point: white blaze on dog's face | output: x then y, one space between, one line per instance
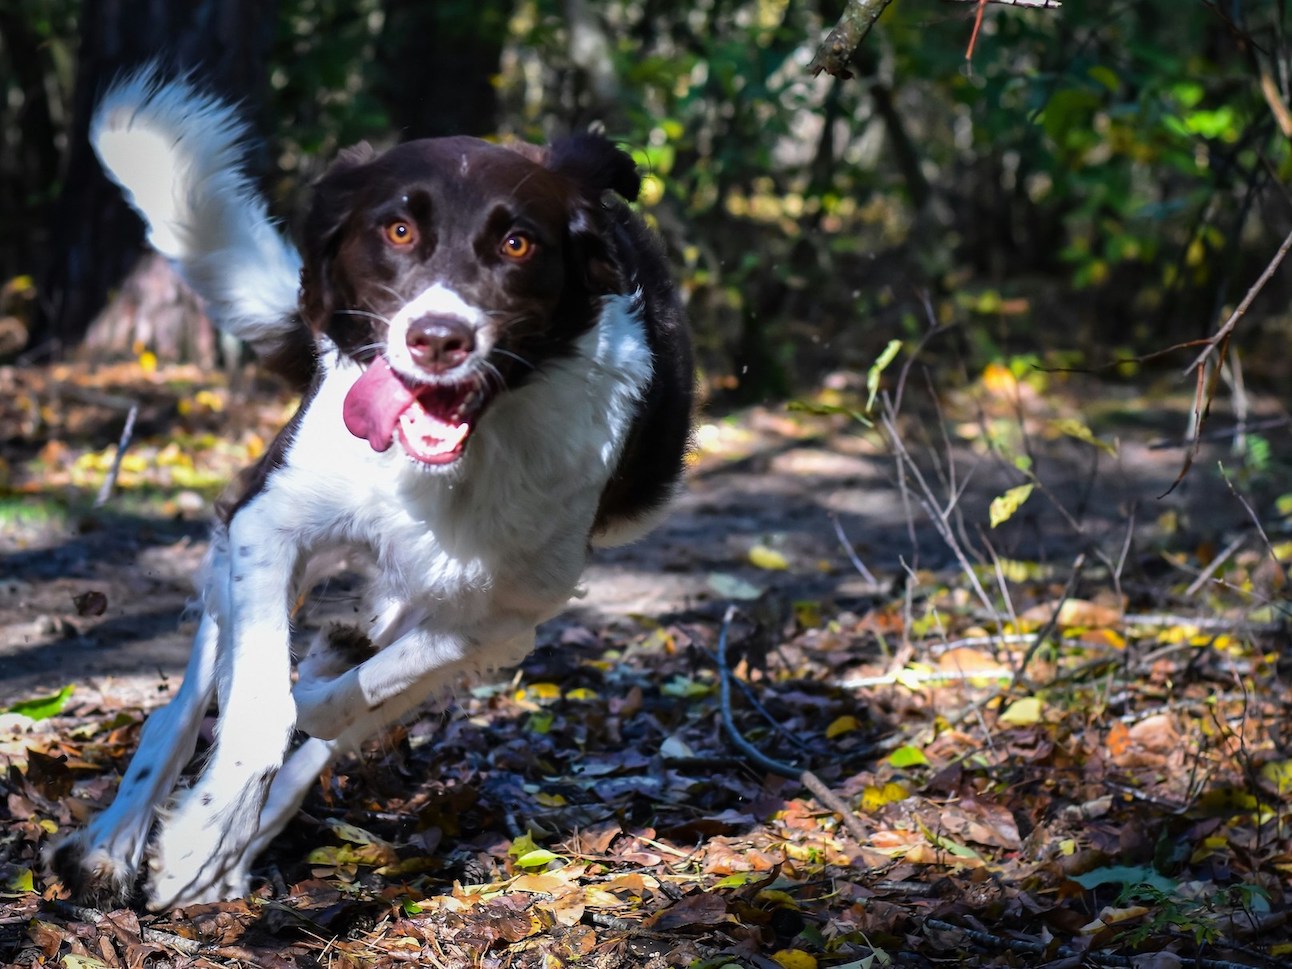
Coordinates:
454 269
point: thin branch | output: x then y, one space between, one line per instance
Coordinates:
1223 333
926 498
1052 623
109 482
853 557
1205 575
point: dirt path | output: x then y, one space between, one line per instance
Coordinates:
763 479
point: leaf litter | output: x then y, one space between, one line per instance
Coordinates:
1088 774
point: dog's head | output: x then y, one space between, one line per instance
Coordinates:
453 269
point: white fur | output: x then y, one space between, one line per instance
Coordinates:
466 563
436 300
177 154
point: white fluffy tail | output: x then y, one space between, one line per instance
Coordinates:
178 155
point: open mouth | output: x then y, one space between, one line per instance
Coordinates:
433 421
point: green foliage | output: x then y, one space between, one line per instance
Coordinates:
1121 154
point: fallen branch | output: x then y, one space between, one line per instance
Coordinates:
827 797
180 944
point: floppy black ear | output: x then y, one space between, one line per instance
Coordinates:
330 208
595 164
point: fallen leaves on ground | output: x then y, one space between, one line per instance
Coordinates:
1117 794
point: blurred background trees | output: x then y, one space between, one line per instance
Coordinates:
1100 179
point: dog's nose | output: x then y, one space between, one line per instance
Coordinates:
439 343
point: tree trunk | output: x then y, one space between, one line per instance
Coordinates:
97 238
438 61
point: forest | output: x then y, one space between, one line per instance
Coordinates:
966 642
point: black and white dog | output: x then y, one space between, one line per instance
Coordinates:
496 375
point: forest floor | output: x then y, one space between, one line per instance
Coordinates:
1064 740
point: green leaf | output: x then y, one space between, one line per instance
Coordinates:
538 858
946 844
42 708
1124 875
877 369
733 586
908 756
1003 507
20 883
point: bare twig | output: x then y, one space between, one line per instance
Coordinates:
1205 575
1045 631
1234 432
109 482
926 676
853 557
936 514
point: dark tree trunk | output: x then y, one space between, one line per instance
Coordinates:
437 62
98 238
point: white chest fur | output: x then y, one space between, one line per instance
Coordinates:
509 525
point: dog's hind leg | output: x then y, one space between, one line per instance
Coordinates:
100 863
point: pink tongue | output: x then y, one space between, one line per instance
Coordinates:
373 405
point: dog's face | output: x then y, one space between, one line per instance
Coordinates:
454 269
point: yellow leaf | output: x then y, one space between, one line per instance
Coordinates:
999 381
209 400
148 362
807 613
539 691
794 959
873 798
550 800
776 897
910 677
842 725
1074 428
1003 507
19 883
581 693
1279 774
1112 916
768 558
1022 713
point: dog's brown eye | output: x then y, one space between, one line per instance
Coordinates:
400 233
517 245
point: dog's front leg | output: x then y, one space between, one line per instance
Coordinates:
198 850
401 676
100 862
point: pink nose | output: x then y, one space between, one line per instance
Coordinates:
440 343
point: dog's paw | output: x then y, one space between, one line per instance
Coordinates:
92 873
199 853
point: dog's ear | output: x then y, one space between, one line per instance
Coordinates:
594 167
594 164
330 207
